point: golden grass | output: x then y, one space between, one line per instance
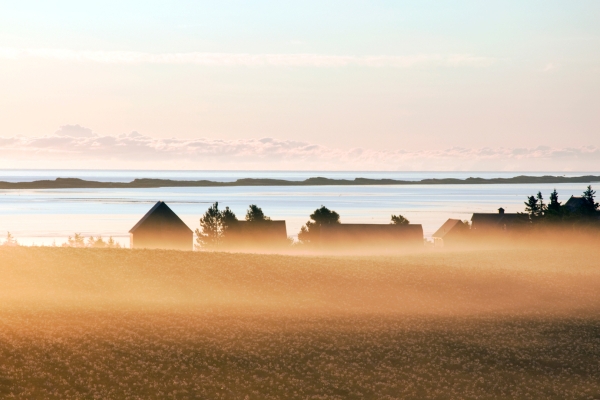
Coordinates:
110 323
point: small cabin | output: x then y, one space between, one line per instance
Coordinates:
161 228
575 204
451 232
385 236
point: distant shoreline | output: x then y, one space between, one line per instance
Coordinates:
76 183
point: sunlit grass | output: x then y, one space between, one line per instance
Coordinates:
101 323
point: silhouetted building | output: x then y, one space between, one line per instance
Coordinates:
161 228
575 204
263 234
484 222
451 232
388 236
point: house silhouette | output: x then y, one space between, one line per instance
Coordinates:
452 231
501 221
161 228
575 203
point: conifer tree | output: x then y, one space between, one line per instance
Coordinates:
590 206
211 227
96 242
554 206
112 244
542 208
532 206
78 240
214 225
10 240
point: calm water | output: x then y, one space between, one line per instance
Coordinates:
47 216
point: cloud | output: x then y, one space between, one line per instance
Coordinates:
73 145
249 60
74 131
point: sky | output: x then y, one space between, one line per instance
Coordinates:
339 85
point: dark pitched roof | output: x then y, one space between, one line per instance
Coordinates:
272 229
371 232
162 212
574 203
446 227
496 219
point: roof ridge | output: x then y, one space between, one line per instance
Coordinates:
151 211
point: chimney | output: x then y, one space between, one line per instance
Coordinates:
501 210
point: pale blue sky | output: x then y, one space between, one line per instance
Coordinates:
357 27
382 75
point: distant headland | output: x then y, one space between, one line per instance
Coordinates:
76 183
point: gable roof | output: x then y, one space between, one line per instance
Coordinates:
574 203
496 219
160 211
446 227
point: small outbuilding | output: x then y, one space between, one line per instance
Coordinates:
386 236
161 228
453 231
575 203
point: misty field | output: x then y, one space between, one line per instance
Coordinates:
113 323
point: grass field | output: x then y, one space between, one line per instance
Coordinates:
111 323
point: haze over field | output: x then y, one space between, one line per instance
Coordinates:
520 322
370 199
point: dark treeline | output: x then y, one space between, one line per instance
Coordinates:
578 210
577 219
222 228
75 183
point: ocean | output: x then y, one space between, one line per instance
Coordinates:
49 216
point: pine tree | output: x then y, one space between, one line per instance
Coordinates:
214 225
590 206
310 232
532 206
78 240
554 206
10 240
112 244
97 243
211 227
542 208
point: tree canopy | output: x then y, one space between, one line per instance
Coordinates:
214 225
309 233
555 212
589 196
255 214
399 220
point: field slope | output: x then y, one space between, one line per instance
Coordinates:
96 323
